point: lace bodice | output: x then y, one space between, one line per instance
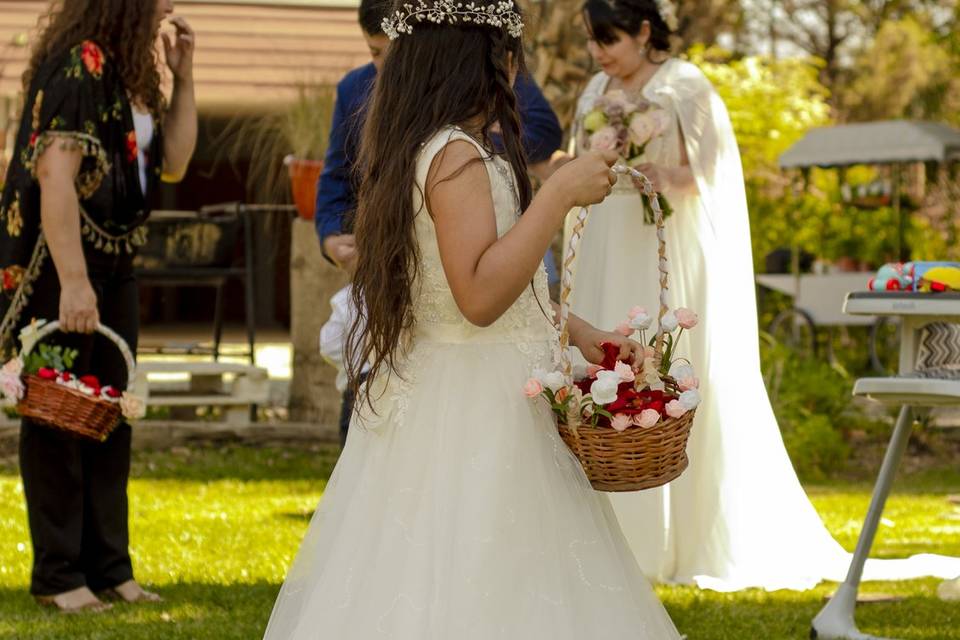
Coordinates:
435 309
663 151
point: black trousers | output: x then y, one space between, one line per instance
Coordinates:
76 490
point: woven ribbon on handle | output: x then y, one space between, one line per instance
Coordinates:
566 288
52 327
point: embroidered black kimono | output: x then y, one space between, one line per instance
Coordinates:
76 99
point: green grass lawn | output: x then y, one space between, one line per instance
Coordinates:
214 529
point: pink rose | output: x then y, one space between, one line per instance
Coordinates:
624 329
533 388
593 370
636 311
686 384
686 318
647 418
621 422
642 128
625 372
604 140
11 385
675 409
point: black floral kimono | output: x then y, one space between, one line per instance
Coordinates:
78 100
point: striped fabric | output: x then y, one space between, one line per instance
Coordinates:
939 353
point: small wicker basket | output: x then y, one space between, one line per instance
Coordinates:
634 459
55 405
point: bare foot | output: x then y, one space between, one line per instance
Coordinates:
131 592
76 601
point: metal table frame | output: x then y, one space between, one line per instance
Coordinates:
915 310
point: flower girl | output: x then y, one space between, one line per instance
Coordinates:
456 511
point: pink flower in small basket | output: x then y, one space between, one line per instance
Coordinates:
647 418
533 388
621 422
686 384
10 382
636 311
675 409
132 406
593 370
625 372
686 318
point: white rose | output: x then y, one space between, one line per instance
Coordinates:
604 388
690 399
132 406
554 381
669 322
641 322
680 370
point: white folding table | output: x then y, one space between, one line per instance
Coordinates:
915 310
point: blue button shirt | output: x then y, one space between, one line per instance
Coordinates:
337 190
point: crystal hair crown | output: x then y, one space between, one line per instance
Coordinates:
502 14
669 13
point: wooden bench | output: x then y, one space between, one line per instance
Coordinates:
205 386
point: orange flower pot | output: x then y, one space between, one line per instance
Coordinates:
304 175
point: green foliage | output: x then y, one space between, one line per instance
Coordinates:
51 356
812 403
772 103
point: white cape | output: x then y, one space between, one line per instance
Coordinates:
738 517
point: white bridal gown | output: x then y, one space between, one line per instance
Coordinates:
738 517
456 512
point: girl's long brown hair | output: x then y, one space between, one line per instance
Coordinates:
126 29
439 75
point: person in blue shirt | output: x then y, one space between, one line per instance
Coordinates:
337 188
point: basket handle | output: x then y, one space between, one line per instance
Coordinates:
570 257
52 327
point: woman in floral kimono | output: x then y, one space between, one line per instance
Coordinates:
95 137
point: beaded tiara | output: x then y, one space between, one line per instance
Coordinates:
502 14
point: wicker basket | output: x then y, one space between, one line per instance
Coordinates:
55 405
633 459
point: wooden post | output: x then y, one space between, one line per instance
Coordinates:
313 280
902 251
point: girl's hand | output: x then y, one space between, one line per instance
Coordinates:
586 180
180 53
588 339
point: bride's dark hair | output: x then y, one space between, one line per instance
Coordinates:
604 17
437 76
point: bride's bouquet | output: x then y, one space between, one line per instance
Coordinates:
617 123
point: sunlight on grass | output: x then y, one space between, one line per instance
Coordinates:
214 530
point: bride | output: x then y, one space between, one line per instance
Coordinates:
738 518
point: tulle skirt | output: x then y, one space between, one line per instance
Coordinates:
456 512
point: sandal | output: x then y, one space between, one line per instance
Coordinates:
114 594
58 602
